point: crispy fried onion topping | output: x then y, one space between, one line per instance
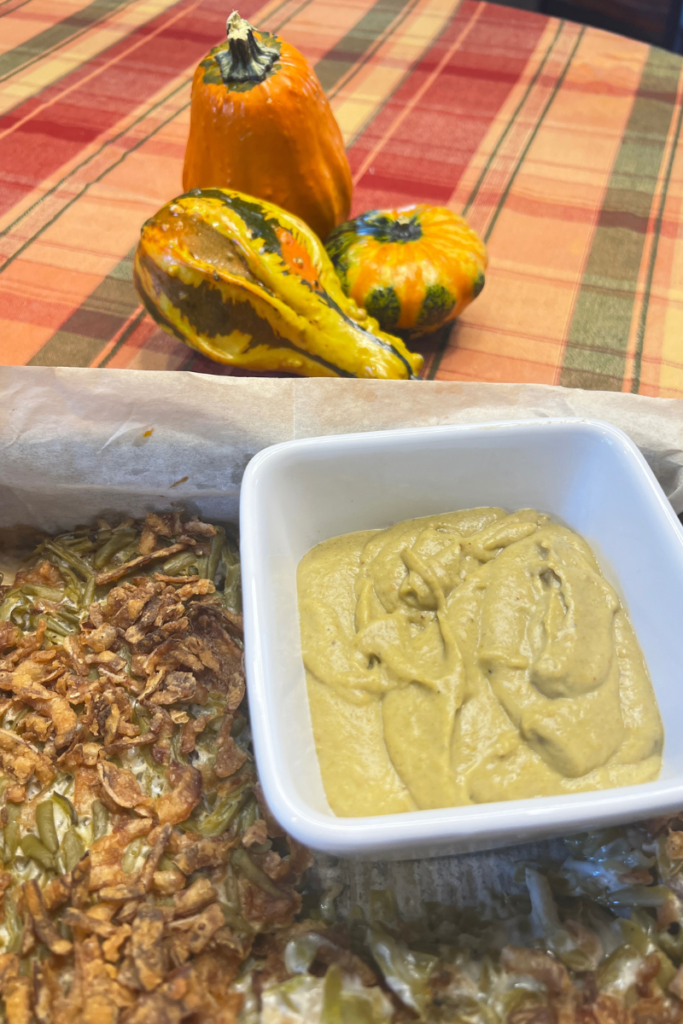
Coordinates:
129 785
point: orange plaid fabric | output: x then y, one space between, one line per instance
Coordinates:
559 143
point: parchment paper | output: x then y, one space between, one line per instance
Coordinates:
77 443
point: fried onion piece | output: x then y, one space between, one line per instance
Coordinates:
176 687
194 898
168 882
9 969
121 785
148 540
191 934
18 1001
256 834
138 887
57 892
190 730
42 995
262 908
99 1002
106 853
45 929
9 635
88 923
80 882
64 720
22 761
198 529
15 794
229 759
147 951
204 853
45 574
111 947
100 639
72 646
160 523
154 856
111 575
541 966
164 1006
186 793
122 891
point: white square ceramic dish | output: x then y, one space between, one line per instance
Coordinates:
588 474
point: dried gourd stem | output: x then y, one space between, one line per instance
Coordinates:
247 59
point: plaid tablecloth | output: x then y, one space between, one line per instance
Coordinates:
559 143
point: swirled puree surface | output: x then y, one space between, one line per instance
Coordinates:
470 657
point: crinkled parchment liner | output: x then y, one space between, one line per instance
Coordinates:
77 443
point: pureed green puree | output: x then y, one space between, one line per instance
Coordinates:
470 657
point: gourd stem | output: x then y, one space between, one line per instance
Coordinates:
246 59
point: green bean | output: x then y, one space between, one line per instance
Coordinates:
32 847
635 936
638 896
74 582
65 804
224 814
77 533
612 967
141 720
47 593
89 593
247 815
130 857
176 752
14 811
232 589
245 864
202 563
238 725
14 925
119 540
331 1010
100 819
328 910
215 554
72 849
128 553
68 617
667 971
13 600
230 554
45 821
60 628
124 652
81 544
11 836
174 565
71 558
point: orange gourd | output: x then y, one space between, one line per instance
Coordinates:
261 124
413 269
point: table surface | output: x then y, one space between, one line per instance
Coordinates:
559 143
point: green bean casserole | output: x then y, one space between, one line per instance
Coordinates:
145 882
